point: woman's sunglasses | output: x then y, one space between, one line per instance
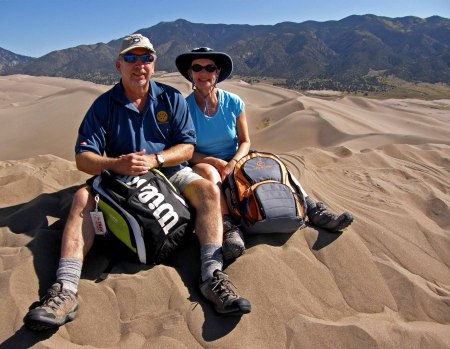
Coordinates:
132 58
210 68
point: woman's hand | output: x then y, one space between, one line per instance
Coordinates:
227 169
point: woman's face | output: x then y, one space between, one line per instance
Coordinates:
204 79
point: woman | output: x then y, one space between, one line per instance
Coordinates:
221 127
222 138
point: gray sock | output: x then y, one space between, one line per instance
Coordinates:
310 204
69 272
211 260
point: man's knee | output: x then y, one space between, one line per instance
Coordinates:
208 188
202 192
83 199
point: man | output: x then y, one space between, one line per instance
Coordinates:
137 131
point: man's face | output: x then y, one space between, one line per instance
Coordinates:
135 74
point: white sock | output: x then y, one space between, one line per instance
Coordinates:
69 272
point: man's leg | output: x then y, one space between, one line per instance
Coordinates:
204 196
233 245
79 233
60 304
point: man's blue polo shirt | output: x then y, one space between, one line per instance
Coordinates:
113 126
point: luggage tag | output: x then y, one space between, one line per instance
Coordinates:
97 219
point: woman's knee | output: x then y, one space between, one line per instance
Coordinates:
207 171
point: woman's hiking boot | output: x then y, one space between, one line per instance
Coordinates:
217 290
322 218
56 308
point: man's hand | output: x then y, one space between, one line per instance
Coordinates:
134 164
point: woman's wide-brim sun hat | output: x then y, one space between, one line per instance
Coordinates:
222 60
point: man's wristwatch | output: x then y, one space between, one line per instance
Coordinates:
160 159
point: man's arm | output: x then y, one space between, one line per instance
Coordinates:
134 164
130 164
175 155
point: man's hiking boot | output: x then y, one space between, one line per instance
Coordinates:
322 218
233 241
226 302
56 308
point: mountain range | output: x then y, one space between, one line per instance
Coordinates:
411 48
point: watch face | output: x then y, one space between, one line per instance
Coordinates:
160 159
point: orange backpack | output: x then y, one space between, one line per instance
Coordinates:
264 195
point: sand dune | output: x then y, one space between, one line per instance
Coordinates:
46 118
383 283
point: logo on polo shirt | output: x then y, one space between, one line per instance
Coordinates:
162 117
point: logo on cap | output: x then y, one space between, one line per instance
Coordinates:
136 39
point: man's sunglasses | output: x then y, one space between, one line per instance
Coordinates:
210 68
132 58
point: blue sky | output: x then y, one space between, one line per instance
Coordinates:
37 27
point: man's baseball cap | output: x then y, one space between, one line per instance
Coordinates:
135 41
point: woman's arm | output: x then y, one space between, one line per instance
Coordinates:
198 158
243 144
243 136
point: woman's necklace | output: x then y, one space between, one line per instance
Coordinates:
209 108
